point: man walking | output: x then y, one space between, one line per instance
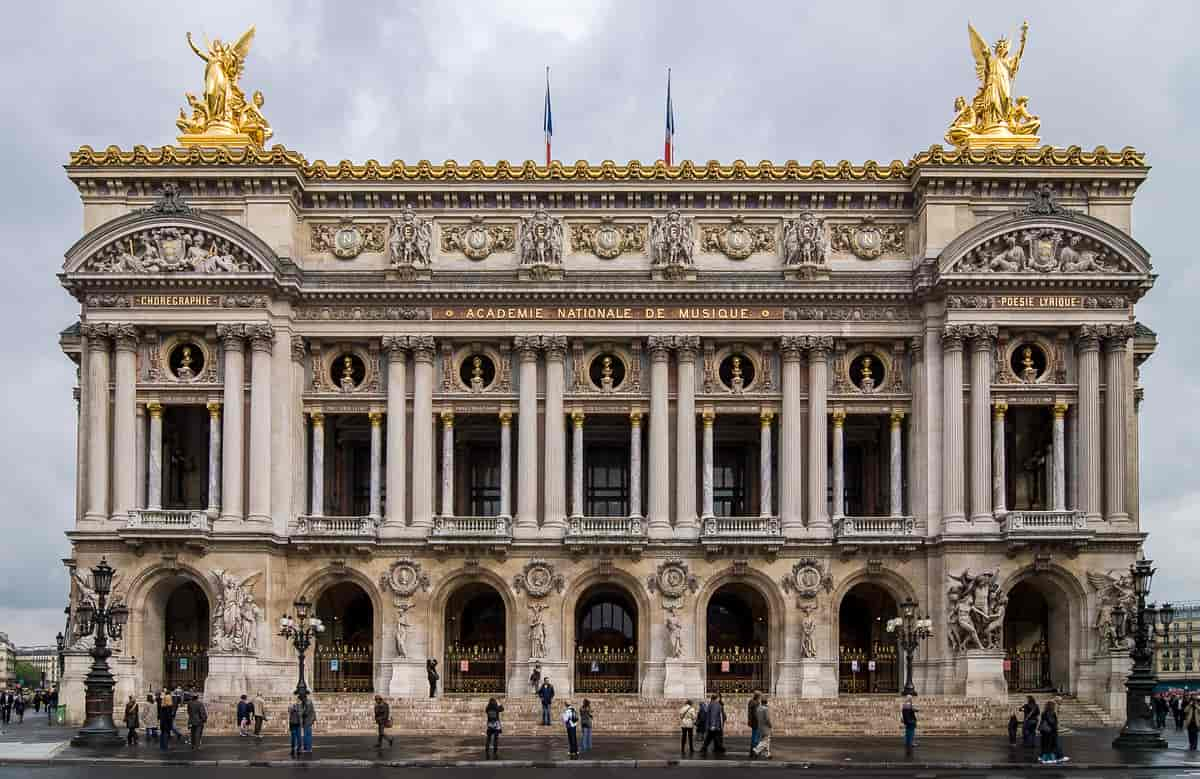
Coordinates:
1191 718
197 716
244 709
431 672
752 720
308 715
546 696
383 720
908 716
260 714
570 719
714 726
762 719
294 726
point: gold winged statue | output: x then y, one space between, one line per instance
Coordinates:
224 117
994 117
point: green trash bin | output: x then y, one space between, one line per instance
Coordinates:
60 714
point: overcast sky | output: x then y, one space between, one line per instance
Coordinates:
437 80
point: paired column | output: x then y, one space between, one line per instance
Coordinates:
447 464
953 512
635 463
897 464
94 420
999 498
376 419
422 435
686 348
764 462
527 425
556 466
791 474
142 449
839 463
1060 457
1115 421
577 463
1088 345
708 418
818 457
214 459
659 519
233 344
317 507
154 452
124 422
506 464
396 348
262 342
983 338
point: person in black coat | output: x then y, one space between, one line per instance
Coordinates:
494 728
431 672
1030 726
1048 729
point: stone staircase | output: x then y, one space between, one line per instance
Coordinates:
1072 712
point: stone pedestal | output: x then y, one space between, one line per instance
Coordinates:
75 667
1112 669
807 678
408 679
983 674
229 674
683 679
558 671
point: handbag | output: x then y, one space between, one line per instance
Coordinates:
388 722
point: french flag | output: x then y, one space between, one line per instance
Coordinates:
547 119
669 146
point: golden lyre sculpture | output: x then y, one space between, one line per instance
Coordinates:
224 117
994 117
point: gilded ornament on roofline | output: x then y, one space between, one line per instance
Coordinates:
868 239
608 239
346 239
223 116
477 239
737 240
994 118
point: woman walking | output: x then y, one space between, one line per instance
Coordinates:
131 721
585 726
294 725
908 715
1048 729
687 726
494 728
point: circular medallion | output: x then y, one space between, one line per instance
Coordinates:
606 242
477 243
538 579
739 243
867 242
404 578
347 242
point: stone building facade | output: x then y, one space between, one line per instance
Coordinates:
652 430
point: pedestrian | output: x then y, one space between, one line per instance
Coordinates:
1048 730
1160 711
1059 755
383 721
1191 719
1014 725
585 726
5 706
702 722
294 725
535 677
1177 711
308 715
197 715
752 720
908 715
1030 723
37 701
147 717
244 710
570 718
762 721
51 705
432 673
19 705
131 721
714 726
166 720
172 702
494 728
546 696
687 726
260 714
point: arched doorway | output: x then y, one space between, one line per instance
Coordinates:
867 656
343 659
606 647
737 631
475 629
1031 637
185 638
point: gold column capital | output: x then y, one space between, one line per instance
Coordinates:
155 408
708 416
1000 408
897 417
448 418
635 417
376 418
505 417
839 417
1060 410
766 416
214 410
318 418
577 417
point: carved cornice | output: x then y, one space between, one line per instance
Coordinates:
362 313
852 313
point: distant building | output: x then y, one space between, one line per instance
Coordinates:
8 661
1175 657
45 660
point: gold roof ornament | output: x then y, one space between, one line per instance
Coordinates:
994 118
224 117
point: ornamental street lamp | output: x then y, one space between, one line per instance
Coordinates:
910 631
301 631
1148 624
103 621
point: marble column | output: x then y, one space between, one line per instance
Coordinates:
1088 345
262 342
999 478
983 339
142 448
527 427
447 464
791 432
154 451
818 432
577 463
686 347
124 468
635 463
659 481
506 464
839 463
233 345
396 349
423 453
99 345
375 504
555 500
214 459
1060 457
765 463
317 505
1116 445
708 418
952 454
897 464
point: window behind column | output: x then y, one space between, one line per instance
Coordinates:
606 481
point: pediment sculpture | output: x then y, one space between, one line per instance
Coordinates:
1041 250
171 250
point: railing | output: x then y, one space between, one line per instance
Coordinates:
1044 522
741 529
737 669
584 529
337 527
168 519
185 665
605 670
343 668
1028 670
474 669
484 529
875 527
868 671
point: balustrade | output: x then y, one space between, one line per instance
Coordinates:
344 527
876 527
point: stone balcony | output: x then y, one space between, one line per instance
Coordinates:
190 527
749 534
355 533
1021 528
604 534
853 533
449 532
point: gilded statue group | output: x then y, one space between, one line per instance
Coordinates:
224 113
994 116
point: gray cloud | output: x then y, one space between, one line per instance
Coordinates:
438 79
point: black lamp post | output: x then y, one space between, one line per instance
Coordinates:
103 621
910 631
61 643
301 631
1147 622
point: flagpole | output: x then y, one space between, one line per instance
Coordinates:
669 139
547 123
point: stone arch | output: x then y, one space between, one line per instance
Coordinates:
145 637
1066 598
891 582
623 580
776 614
439 601
313 586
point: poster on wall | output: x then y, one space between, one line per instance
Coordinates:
870 665
724 666
464 665
183 662
333 665
854 666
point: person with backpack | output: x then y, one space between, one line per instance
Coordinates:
570 718
197 714
383 721
294 725
494 728
687 726
752 721
259 710
546 696
166 720
147 718
702 721
908 716
585 726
